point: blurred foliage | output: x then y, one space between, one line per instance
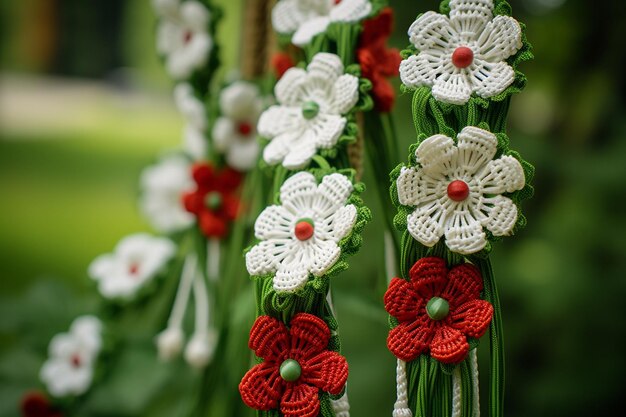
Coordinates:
68 194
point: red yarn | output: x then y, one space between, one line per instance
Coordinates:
306 341
35 404
213 222
417 333
377 61
281 62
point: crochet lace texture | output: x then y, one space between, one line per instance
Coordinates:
213 201
445 338
305 342
457 188
311 111
464 53
283 249
305 19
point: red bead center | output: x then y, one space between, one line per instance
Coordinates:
187 37
462 57
304 229
244 128
76 360
133 269
458 190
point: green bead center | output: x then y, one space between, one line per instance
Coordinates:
310 109
213 200
437 308
290 370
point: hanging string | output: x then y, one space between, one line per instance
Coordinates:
401 407
213 259
456 392
390 257
341 407
475 383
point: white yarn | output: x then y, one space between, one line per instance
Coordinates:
294 138
390 257
72 356
280 251
162 186
183 37
304 20
240 105
192 109
456 392
136 260
471 25
475 383
401 406
469 160
341 407
199 350
213 259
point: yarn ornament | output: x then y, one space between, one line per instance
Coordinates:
213 202
460 192
296 365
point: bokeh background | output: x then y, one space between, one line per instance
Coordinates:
85 105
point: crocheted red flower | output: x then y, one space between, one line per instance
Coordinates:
213 202
377 61
438 309
35 404
296 366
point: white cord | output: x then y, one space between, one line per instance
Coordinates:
175 320
456 392
341 407
213 259
202 305
401 407
390 257
475 383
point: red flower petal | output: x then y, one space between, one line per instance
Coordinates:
384 93
212 225
262 386
35 404
472 318
281 62
464 284
192 202
328 371
269 338
409 340
300 400
203 174
309 336
429 276
227 180
401 300
230 206
449 345
390 65
377 29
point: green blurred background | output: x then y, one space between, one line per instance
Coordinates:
85 105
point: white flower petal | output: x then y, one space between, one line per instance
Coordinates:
195 15
431 32
325 255
476 148
183 61
345 94
301 150
501 38
503 175
437 155
415 188
420 70
332 193
223 132
290 277
325 67
165 7
280 119
338 225
265 257
190 106
195 143
298 192
470 16
501 215
326 129
350 10
240 101
424 224
309 29
491 79
454 89
287 16
279 147
243 154
274 222
464 234
289 89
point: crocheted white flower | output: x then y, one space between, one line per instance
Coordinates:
192 109
301 236
307 18
182 36
162 188
310 111
457 189
69 369
137 259
464 53
234 133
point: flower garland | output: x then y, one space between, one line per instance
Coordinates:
313 137
460 192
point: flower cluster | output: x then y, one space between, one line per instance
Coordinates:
70 367
457 188
437 310
464 53
296 366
